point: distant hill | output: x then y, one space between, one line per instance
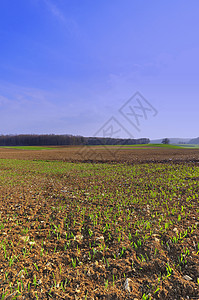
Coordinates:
172 141
194 141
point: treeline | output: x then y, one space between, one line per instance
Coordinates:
60 140
112 141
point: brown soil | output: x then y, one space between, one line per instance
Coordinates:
79 258
104 154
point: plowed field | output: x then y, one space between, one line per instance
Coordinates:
91 223
102 154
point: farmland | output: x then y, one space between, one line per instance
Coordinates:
99 223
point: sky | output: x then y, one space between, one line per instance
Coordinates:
117 68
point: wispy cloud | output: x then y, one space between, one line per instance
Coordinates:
69 23
55 11
24 101
24 109
33 110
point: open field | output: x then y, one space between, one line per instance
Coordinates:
125 153
127 228
27 147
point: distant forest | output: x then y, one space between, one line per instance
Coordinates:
61 140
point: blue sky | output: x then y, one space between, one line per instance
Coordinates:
69 66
